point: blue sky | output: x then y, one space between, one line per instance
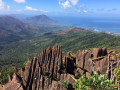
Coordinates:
62 7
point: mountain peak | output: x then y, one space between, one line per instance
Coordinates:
40 19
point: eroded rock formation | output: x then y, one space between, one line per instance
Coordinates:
48 70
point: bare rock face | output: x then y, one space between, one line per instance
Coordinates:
98 52
101 65
82 60
97 60
42 73
39 73
78 73
13 85
1 87
70 64
48 70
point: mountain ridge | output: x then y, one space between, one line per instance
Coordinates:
72 30
12 27
40 20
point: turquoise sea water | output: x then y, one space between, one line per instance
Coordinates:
101 24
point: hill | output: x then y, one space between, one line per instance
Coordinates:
16 52
12 29
40 20
72 30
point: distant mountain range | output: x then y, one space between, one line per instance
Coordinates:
12 29
40 20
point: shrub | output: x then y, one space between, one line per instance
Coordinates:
117 73
25 63
95 82
65 84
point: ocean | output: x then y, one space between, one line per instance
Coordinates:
100 24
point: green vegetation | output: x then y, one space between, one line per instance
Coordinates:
4 72
117 73
93 82
65 84
15 52
25 63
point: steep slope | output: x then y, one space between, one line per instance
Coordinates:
40 19
13 53
14 25
12 28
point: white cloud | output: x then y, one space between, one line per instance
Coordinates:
6 8
74 2
20 1
74 6
82 11
68 3
34 9
65 4
85 11
3 6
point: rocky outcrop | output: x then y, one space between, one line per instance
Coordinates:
98 52
13 85
1 87
48 70
82 60
42 73
69 64
97 60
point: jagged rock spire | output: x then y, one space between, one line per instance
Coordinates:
48 70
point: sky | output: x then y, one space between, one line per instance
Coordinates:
108 8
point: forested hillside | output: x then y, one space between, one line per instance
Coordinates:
70 42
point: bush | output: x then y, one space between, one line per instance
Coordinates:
117 73
4 75
95 82
65 84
